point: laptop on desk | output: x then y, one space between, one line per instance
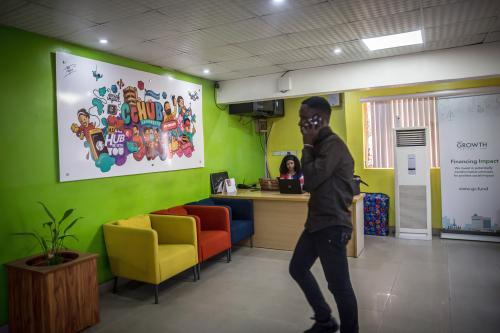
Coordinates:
290 186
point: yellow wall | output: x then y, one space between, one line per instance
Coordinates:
347 121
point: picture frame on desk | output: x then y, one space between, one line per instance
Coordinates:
217 181
230 186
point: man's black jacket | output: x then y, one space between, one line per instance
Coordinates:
328 170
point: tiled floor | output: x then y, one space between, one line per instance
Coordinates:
401 286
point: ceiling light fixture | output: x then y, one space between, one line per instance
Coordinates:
389 41
206 71
278 1
103 41
337 50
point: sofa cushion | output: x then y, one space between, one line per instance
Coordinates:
213 242
179 210
139 221
241 229
174 258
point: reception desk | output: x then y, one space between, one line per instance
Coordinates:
279 219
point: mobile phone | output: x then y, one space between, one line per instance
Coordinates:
315 121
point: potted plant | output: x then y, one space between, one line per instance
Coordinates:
56 291
53 245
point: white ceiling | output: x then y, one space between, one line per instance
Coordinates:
241 38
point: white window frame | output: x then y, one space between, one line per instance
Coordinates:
396 112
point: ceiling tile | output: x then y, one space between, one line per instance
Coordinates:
387 25
264 7
460 12
306 64
245 63
190 15
454 30
90 38
197 70
227 76
307 18
457 42
357 10
148 25
10 5
147 51
44 21
191 41
349 50
283 57
222 53
179 61
273 44
261 71
243 31
97 11
430 3
335 34
492 37
155 4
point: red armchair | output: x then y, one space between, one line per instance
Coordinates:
212 228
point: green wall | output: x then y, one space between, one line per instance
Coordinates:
347 122
29 167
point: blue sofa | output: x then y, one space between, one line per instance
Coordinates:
240 216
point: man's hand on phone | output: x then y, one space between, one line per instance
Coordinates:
309 134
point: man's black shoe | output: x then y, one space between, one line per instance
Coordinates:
329 326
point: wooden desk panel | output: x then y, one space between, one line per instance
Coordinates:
279 219
278 224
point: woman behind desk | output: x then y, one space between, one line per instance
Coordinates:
290 169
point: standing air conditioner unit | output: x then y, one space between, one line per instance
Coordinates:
412 178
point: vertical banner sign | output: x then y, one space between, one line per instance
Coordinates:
469 135
115 121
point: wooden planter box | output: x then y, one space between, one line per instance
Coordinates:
53 299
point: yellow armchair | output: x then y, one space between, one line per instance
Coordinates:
151 248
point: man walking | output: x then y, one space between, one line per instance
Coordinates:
328 170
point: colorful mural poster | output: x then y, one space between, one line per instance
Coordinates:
115 121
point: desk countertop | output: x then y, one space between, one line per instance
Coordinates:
272 196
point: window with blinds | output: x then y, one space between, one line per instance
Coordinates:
382 116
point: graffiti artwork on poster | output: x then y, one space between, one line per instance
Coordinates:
115 121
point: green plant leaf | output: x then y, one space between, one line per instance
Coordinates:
66 214
72 236
47 211
44 245
48 224
24 234
39 239
71 224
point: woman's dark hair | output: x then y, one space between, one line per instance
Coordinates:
296 164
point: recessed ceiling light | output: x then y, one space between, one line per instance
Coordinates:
386 42
206 71
337 50
278 1
103 41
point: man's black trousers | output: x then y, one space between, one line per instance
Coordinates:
329 244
